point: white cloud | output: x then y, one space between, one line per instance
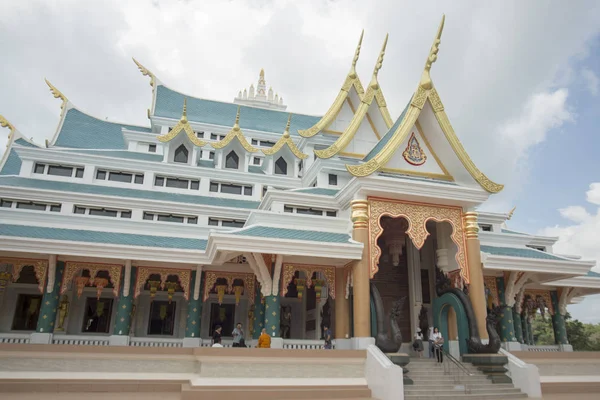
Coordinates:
581 237
591 80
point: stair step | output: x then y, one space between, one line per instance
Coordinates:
450 386
487 396
457 389
274 393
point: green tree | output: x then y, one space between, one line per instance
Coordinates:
543 333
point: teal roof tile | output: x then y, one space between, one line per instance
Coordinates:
79 235
293 234
593 274
80 130
126 193
386 138
519 252
255 169
316 190
25 143
12 166
169 104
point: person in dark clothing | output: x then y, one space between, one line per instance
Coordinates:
327 335
217 335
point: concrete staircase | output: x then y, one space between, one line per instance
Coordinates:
431 383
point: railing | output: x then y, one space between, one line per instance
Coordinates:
154 342
544 348
456 369
15 338
305 344
81 340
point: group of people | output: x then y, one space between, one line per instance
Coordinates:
264 340
436 342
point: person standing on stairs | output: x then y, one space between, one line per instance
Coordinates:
438 342
327 335
418 343
430 339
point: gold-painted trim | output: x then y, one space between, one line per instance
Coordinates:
417 215
11 129
235 132
368 118
143 273
72 268
40 269
351 80
57 95
432 152
332 132
426 82
431 175
145 72
182 126
285 139
249 283
353 155
289 270
490 282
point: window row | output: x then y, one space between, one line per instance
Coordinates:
310 211
163 217
29 205
226 223
263 143
101 212
178 183
58 170
119 176
231 188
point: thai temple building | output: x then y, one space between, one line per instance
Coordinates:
363 220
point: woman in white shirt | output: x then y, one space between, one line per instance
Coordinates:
438 342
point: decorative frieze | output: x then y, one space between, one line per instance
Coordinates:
144 273
491 286
72 269
289 270
40 268
211 278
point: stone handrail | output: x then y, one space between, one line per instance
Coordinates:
384 378
155 342
544 348
81 340
18 338
524 376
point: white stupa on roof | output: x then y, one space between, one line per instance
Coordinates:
261 97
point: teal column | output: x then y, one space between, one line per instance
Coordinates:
558 322
125 305
194 310
525 330
507 325
50 301
530 332
259 313
272 311
518 326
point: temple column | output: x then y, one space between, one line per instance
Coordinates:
120 335
342 306
259 314
476 287
49 307
273 304
558 324
361 276
518 326
194 311
507 324
525 328
415 294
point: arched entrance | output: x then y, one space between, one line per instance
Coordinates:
447 311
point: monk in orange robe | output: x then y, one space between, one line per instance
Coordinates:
264 340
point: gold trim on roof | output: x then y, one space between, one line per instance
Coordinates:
145 72
351 80
344 140
235 132
11 128
57 94
285 139
182 125
425 92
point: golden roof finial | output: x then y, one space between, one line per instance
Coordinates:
352 73
57 94
432 57
378 65
184 113
145 72
262 73
510 214
286 133
236 126
5 124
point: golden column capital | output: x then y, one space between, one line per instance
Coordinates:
471 226
360 213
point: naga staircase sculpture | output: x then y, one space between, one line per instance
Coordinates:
386 343
474 344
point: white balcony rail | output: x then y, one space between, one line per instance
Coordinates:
544 348
155 342
81 340
299 344
16 338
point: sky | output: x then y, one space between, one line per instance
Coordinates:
520 81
